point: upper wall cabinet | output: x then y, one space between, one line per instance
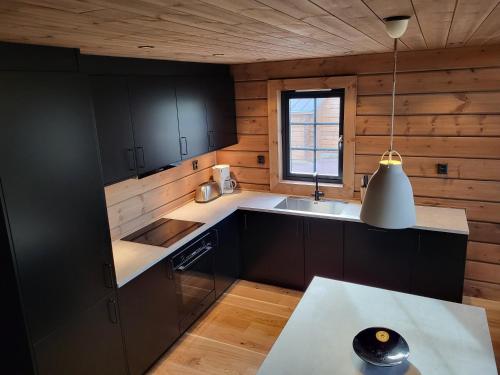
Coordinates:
192 116
114 127
154 115
151 114
221 116
26 57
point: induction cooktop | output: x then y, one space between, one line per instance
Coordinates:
163 232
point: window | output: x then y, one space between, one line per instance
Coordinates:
312 131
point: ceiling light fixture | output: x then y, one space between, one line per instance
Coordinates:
388 201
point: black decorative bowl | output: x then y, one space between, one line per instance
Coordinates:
381 346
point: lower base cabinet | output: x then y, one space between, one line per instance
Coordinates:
272 249
439 266
288 251
379 257
150 323
227 255
89 344
323 249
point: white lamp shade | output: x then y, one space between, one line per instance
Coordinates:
396 26
388 201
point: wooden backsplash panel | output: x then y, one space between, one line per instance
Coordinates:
448 109
134 203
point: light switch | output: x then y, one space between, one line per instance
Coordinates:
442 168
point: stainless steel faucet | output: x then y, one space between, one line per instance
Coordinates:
317 193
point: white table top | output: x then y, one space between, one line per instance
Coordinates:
444 337
131 259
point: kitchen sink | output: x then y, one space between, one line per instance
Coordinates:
309 205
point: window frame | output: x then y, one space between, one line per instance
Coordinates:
277 184
286 96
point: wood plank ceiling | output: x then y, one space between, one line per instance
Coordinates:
241 31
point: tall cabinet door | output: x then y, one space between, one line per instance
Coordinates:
154 116
192 116
114 127
272 249
84 345
221 111
54 196
379 257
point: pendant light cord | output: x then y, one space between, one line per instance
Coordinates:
393 95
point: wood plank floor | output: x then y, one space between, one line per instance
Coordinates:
234 336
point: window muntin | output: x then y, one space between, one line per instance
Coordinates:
312 129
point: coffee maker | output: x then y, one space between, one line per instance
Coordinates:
222 175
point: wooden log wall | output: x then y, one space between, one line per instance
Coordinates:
134 203
448 109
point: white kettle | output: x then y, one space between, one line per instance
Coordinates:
222 175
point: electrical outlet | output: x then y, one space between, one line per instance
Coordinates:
442 168
261 159
195 165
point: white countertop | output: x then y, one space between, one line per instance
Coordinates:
444 337
131 259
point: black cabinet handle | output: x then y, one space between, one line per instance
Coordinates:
245 226
308 229
131 159
141 151
184 140
108 275
113 311
297 231
210 139
217 236
377 230
170 272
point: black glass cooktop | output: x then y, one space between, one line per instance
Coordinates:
163 232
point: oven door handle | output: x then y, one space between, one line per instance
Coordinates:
184 266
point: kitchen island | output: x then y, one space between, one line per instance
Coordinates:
444 337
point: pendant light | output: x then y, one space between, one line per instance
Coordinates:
388 201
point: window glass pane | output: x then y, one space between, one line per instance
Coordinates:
327 136
328 110
302 110
301 162
302 136
327 163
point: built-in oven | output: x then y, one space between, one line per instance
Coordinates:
194 275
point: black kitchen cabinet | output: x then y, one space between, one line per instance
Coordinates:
126 66
379 257
227 255
272 249
82 346
439 266
29 57
54 207
155 123
323 248
53 195
17 349
192 116
221 116
148 309
114 127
